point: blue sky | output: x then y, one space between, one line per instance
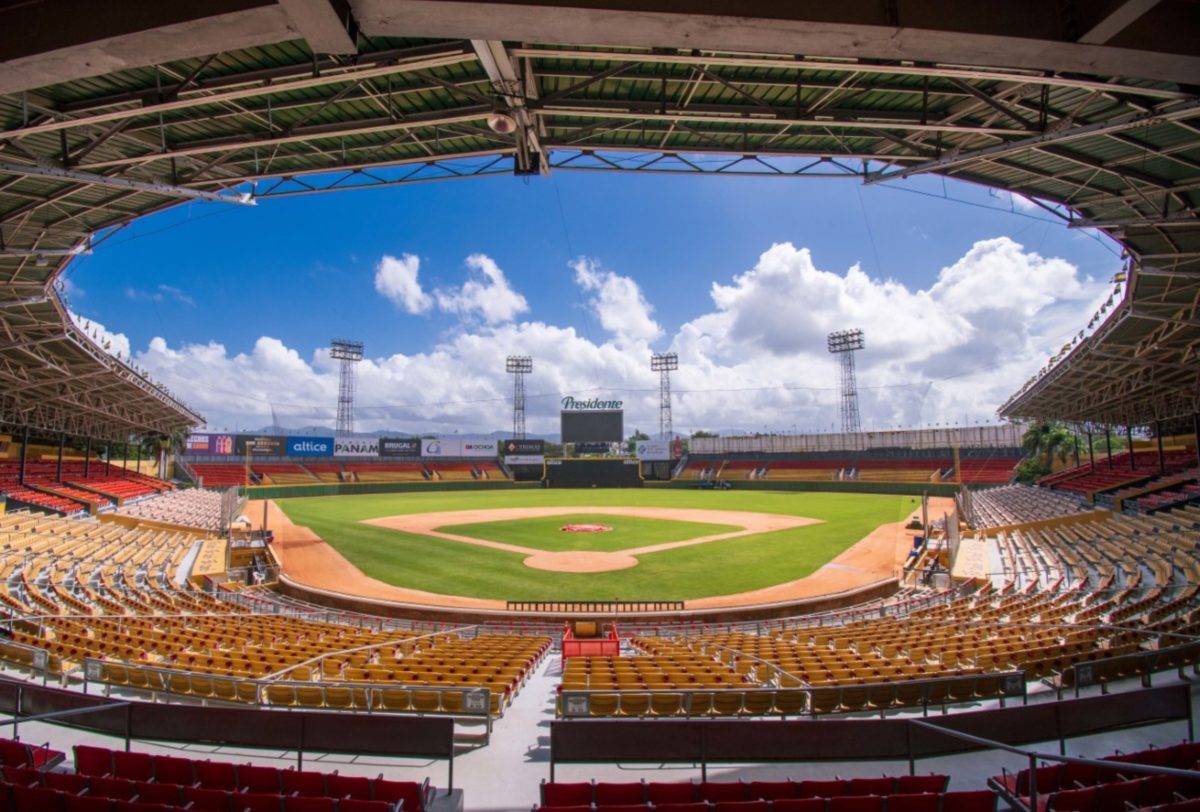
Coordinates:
302 270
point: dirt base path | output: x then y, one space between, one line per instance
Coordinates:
309 561
426 524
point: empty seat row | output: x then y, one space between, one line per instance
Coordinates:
608 793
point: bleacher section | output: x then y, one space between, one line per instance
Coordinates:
387 472
221 474
1091 480
102 486
283 473
996 468
1019 504
193 507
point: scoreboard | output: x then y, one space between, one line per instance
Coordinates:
593 426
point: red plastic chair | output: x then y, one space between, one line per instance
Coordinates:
623 808
174 770
410 793
884 785
151 793
978 800
1114 796
252 778
821 789
93 760
723 791
36 799
72 783
1073 800
799 805
355 805
771 790
202 799
558 793
258 802
302 782
913 802
694 806
25 776
349 786
683 792
612 794
913 784
86 803
856 803
134 766
119 789
299 803
741 806
216 775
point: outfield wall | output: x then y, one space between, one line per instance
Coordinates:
351 488
824 486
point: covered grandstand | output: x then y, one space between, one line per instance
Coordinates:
1070 609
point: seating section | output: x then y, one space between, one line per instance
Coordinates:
1020 504
57 504
915 793
989 471
222 474
1085 788
387 472
325 471
1102 477
141 782
283 473
109 593
74 491
865 467
192 507
451 471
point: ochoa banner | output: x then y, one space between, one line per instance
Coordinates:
399 447
259 445
653 450
356 447
310 446
522 447
457 447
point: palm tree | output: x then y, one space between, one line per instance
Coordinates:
1047 441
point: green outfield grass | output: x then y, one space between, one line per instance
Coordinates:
715 568
627 531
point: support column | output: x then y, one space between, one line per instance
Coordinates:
62 439
138 464
1129 445
1162 461
87 458
1108 445
1076 436
107 460
24 455
1091 451
1196 432
124 458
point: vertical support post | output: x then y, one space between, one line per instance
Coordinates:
1076 450
137 466
107 459
87 458
128 726
24 455
1108 445
1091 452
300 746
125 458
1162 460
62 439
1129 445
1196 434
1033 782
450 772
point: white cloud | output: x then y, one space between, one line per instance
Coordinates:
160 294
949 352
618 302
397 280
487 294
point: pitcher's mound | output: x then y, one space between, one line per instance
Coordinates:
580 561
586 528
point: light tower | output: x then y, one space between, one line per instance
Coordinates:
519 366
663 363
844 343
349 353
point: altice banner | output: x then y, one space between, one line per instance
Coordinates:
310 446
356 447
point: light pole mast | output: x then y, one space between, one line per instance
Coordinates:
518 366
663 364
349 353
844 343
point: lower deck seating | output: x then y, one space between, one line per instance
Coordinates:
220 474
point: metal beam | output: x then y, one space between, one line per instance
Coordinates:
1120 18
499 67
328 26
92 179
1127 121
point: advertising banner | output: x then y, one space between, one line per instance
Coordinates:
524 459
209 444
524 447
399 446
653 450
259 445
457 447
310 446
356 447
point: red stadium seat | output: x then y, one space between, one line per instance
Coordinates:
86 803
771 790
151 793
216 775
1073 800
93 760
119 789
133 765
299 803
856 803
258 802
410 793
72 783
202 799
36 799
28 776
884 785
622 808
558 793
910 784
349 786
914 802
723 791
670 793
624 793
983 800
799 805
356 805
253 778
694 806
302 782
741 806
174 770
821 789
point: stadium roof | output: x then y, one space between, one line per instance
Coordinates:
111 110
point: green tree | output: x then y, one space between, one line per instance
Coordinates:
1047 442
633 440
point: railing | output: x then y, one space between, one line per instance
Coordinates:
595 607
476 702
813 701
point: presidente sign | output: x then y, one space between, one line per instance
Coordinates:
570 404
